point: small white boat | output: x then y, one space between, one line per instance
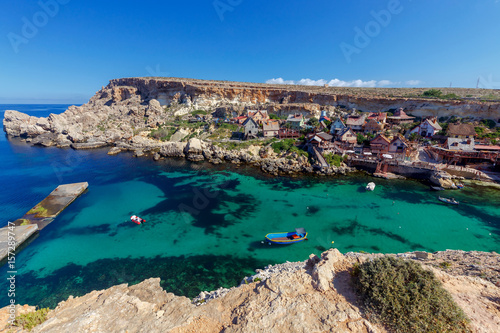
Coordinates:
137 220
370 186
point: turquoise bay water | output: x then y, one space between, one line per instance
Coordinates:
205 224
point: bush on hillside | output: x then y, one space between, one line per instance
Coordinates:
432 93
31 319
406 298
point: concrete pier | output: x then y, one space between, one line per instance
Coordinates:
38 217
21 234
45 212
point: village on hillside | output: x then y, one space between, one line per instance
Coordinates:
334 137
381 135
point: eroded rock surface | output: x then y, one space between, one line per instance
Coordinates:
310 296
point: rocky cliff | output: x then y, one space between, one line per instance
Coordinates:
119 110
310 296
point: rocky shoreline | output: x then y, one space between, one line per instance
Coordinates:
313 295
28 128
124 115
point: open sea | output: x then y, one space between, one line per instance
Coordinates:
205 224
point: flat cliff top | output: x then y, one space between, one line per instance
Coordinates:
466 93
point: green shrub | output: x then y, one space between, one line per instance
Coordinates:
488 123
432 93
283 145
451 96
231 127
406 298
333 159
360 138
445 265
199 112
30 320
163 134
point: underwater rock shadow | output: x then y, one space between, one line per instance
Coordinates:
201 202
354 226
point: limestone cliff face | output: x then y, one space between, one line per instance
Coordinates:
281 97
120 110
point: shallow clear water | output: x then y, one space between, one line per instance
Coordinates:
205 224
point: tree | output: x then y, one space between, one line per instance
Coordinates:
414 137
313 122
360 138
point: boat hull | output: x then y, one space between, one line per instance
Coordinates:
448 201
285 238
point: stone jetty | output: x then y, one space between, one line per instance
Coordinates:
16 233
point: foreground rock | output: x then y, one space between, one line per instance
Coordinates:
310 296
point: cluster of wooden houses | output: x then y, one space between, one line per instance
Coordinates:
341 136
258 121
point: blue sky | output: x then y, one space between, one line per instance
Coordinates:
74 47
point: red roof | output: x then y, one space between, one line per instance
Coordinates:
486 147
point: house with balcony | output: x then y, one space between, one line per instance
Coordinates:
295 121
380 144
346 137
400 117
399 146
259 116
355 123
373 126
337 126
460 137
427 128
270 128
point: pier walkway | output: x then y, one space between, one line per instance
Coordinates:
320 158
37 218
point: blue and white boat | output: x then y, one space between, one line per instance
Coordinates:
284 238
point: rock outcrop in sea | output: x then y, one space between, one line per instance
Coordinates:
311 296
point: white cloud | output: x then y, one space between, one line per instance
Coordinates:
341 83
413 82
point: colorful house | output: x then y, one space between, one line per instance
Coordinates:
337 126
377 116
427 128
380 144
259 116
270 128
400 117
251 128
460 137
240 119
355 123
296 121
398 145
347 137
373 126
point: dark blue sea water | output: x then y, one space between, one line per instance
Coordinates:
205 223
